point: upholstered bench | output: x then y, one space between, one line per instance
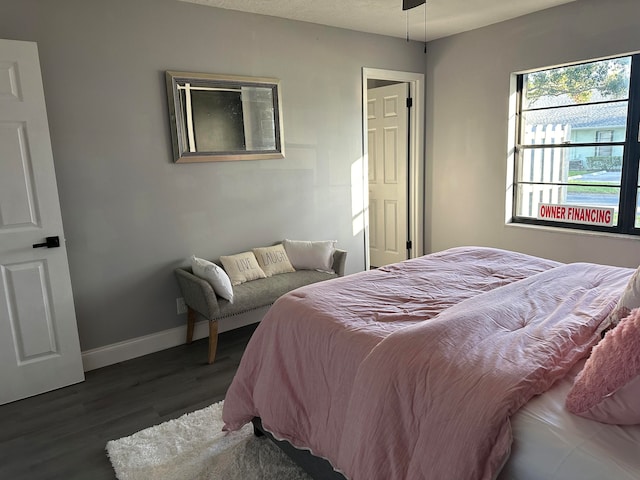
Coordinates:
201 298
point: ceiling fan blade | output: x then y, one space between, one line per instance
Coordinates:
407 4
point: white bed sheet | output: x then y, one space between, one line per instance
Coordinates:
552 444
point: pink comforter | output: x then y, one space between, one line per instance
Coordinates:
351 370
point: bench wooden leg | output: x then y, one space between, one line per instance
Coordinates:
191 322
213 340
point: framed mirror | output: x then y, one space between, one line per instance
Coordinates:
223 117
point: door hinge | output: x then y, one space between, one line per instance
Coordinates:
409 245
409 102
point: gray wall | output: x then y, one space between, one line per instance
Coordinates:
468 86
130 214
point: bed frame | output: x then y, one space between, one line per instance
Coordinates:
318 468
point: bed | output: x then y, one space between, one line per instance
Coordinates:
454 365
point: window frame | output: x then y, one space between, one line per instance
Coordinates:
629 187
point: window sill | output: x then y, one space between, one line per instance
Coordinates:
572 232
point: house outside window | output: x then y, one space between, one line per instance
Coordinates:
577 146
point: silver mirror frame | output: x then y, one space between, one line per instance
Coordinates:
181 150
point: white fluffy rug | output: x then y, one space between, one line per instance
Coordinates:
193 447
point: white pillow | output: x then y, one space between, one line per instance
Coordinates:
242 267
311 255
273 260
213 274
629 300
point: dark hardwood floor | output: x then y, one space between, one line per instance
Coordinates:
62 434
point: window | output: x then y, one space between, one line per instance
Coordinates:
577 146
604 136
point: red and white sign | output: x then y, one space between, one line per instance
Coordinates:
576 214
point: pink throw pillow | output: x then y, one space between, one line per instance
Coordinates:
608 387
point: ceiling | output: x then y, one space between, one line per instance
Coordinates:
385 17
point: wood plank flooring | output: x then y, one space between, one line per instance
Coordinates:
62 434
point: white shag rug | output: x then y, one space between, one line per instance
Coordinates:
193 447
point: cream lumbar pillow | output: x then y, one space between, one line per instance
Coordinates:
213 274
311 255
242 267
273 260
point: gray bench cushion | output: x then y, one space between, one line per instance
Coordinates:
265 291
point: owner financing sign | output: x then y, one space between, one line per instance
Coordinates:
576 214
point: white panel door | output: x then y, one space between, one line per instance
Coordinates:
388 160
39 347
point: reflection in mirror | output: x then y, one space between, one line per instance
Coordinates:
216 117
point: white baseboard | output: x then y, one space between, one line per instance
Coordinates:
137 347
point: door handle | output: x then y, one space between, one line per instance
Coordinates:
51 242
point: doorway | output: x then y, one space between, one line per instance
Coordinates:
393 149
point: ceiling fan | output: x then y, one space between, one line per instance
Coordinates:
408 4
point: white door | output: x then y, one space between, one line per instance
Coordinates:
388 195
39 347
